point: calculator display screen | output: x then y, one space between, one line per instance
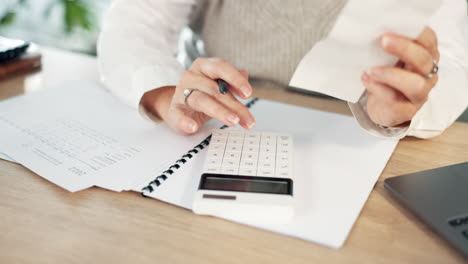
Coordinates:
223 182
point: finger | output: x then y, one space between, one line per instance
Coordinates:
202 102
211 87
412 85
387 106
413 54
245 74
247 120
217 68
428 39
180 122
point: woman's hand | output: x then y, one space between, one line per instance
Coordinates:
395 94
205 101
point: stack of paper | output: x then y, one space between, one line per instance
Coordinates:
79 136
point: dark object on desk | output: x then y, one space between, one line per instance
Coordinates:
11 49
440 198
17 56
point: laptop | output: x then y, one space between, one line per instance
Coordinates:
440 198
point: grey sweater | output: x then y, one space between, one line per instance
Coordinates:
268 38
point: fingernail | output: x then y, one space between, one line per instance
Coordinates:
233 119
246 91
191 127
387 41
251 124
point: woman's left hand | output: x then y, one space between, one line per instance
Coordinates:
396 93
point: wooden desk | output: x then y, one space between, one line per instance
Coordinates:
42 223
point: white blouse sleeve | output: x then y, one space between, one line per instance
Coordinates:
138 44
449 98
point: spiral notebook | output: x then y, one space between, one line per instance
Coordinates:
336 163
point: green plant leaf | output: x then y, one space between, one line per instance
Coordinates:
8 18
77 15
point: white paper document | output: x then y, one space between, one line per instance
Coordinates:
4 156
334 65
336 164
78 135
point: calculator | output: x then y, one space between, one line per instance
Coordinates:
247 174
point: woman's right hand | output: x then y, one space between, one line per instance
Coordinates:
205 101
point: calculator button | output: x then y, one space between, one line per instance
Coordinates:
252 135
221 140
213 169
266 150
281 150
233 148
268 143
215 154
251 142
266 164
248 163
232 155
230 163
267 156
249 156
282 157
229 170
220 133
250 149
235 140
215 146
269 139
283 166
283 173
236 134
214 162
269 136
265 172
247 172
284 151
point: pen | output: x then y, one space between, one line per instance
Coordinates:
223 86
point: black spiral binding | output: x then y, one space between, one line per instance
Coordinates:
184 159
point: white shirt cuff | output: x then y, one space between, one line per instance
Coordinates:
359 111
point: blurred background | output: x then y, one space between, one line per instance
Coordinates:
67 24
71 25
